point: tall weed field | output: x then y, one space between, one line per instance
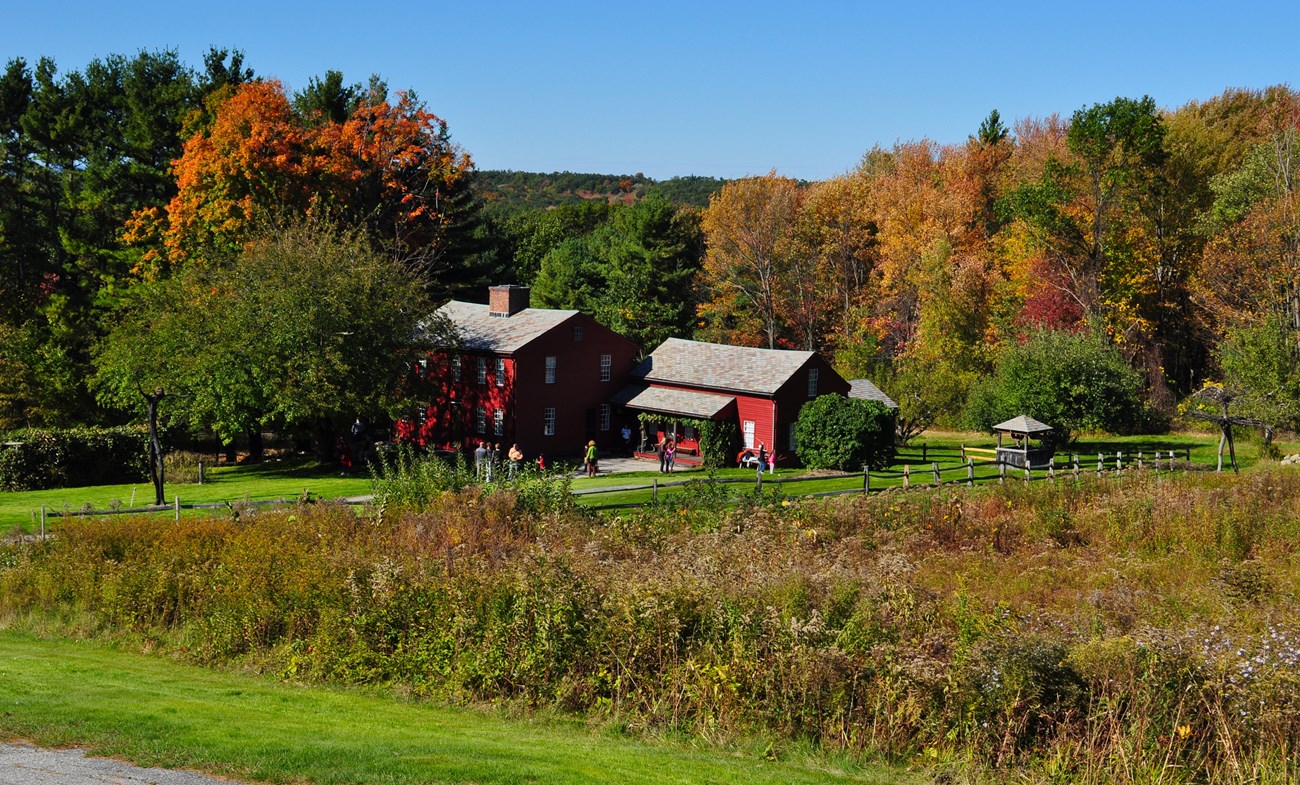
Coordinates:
1121 630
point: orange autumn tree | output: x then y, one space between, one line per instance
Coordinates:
255 157
402 178
389 168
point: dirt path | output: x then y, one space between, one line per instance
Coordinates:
24 764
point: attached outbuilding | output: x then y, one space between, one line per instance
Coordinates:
760 390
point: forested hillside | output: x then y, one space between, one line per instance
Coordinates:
135 189
527 190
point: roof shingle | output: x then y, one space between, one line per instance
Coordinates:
505 334
721 367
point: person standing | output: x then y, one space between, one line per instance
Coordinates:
661 449
670 454
358 434
762 457
627 440
771 462
591 458
480 461
515 456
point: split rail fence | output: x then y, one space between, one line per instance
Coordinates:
915 473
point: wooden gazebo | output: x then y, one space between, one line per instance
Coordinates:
1021 429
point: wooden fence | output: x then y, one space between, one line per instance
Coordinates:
967 473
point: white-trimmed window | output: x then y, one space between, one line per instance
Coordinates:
480 419
501 372
794 440
604 417
482 370
499 422
606 364
548 421
578 333
748 429
812 382
550 370
455 369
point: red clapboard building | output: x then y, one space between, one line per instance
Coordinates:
761 390
539 378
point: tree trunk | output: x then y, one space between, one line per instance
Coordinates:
155 447
325 440
256 448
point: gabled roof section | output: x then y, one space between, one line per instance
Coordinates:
720 367
864 388
1022 424
666 400
504 334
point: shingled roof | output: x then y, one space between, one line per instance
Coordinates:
865 389
720 367
505 334
666 400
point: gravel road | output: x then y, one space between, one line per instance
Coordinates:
23 764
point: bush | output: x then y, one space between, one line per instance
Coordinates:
40 458
1070 381
834 432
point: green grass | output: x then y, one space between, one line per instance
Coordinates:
258 482
940 447
275 480
156 712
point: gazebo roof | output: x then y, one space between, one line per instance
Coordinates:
1022 425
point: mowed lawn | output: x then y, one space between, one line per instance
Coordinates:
156 712
259 482
289 480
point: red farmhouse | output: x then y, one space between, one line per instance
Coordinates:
534 377
761 390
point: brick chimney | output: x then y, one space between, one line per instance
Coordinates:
507 300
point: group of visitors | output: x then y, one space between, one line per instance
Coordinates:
487 462
666 449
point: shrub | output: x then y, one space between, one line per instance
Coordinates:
1070 381
834 432
40 458
405 478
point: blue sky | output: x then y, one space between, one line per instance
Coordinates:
711 88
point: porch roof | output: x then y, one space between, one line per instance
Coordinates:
684 403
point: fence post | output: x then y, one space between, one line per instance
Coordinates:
1027 471
759 486
177 499
1051 468
970 473
654 489
935 466
1002 472
866 480
1101 463
1189 456
1139 460
1074 459
42 522
1119 462
1171 460
200 472
924 451
907 475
